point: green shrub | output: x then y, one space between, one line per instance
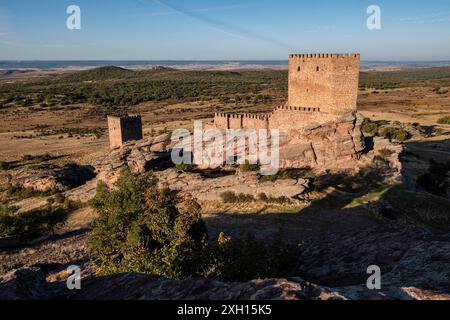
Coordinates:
242 198
444 120
396 133
282 174
369 127
385 153
59 198
141 229
73 205
231 197
7 220
5 165
25 193
247 167
279 200
37 158
33 224
37 167
228 197
183 167
435 180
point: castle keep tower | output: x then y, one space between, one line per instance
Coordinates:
322 88
123 129
327 82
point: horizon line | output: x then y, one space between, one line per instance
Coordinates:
206 60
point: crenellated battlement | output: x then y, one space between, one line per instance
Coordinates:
325 56
301 109
240 115
263 121
126 117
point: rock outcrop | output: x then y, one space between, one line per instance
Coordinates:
414 265
139 156
332 145
51 177
210 189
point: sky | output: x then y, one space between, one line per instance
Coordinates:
222 29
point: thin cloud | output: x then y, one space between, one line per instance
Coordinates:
210 9
321 29
58 45
10 43
426 18
221 26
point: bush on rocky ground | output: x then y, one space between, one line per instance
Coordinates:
25 193
444 120
396 133
5 165
369 127
435 180
249 167
30 225
143 229
183 167
37 158
231 197
284 173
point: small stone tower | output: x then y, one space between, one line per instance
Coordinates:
327 82
123 129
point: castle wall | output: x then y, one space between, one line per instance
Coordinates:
131 128
115 135
240 121
286 117
283 117
346 84
252 121
221 120
235 121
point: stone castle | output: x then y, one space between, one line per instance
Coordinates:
322 88
319 126
124 129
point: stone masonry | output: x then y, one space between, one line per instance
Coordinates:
123 129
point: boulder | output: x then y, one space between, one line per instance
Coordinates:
136 155
52 178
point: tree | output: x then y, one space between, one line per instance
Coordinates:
143 229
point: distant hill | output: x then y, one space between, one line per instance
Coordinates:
102 73
113 72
